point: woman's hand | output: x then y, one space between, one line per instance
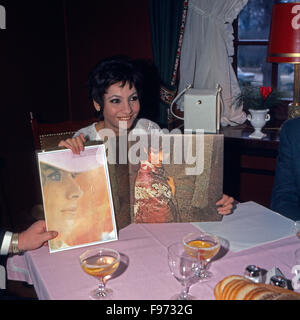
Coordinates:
75 144
225 205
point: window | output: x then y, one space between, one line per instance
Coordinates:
251 43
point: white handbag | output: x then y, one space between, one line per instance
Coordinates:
202 109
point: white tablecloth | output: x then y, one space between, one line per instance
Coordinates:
144 273
249 226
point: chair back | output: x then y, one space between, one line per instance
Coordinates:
48 135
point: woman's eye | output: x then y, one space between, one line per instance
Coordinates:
115 101
55 176
134 98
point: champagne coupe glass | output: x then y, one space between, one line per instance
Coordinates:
202 246
182 268
100 263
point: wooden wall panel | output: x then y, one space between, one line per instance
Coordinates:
256 187
32 78
47 51
98 29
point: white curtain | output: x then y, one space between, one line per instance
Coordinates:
207 52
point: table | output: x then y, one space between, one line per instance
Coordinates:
144 273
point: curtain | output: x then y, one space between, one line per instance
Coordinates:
167 19
207 52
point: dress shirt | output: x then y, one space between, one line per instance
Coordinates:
4 251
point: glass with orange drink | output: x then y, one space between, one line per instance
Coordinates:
202 246
100 263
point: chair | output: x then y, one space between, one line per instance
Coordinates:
48 135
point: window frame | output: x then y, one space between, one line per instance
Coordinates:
280 113
238 42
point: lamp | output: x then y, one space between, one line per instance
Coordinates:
284 45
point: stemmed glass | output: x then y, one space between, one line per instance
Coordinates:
297 228
296 271
100 263
182 268
202 246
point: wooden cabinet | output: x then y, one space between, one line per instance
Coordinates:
249 164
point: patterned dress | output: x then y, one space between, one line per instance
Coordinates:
153 196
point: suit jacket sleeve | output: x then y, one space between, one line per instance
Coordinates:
5 238
286 194
2 233
2 262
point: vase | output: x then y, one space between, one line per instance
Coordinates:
258 119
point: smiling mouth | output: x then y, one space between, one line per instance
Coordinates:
125 118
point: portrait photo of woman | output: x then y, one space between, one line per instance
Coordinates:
77 202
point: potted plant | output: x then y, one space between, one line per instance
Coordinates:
257 98
257 101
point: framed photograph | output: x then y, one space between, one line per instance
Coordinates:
77 197
179 179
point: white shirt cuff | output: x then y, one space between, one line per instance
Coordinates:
6 243
2 278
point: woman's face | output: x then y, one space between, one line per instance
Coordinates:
61 193
121 107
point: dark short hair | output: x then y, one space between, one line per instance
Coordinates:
113 70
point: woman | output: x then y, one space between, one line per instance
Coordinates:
154 191
115 87
61 194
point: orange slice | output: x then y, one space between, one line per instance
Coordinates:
199 244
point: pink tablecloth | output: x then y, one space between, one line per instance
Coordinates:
144 273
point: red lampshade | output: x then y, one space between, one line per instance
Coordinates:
284 40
